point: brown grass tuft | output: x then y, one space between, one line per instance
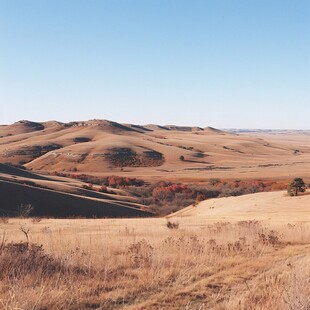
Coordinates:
172 225
21 259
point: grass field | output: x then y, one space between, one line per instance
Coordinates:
142 264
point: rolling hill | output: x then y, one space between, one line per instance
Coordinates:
60 197
151 152
270 207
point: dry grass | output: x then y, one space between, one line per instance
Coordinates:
141 264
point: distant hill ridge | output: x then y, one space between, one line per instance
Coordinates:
27 125
110 148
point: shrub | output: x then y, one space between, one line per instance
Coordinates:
199 198
214 181
103 189
172 225
140 253
21 259
296 186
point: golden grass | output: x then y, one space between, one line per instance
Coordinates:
142 264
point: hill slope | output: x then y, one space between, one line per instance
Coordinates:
273 206
152 151
61 197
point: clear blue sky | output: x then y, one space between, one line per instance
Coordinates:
221 63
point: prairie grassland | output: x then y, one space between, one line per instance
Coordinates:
142 264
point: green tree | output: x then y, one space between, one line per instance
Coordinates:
296 186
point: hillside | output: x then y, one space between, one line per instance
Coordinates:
272 206
61 197
152 151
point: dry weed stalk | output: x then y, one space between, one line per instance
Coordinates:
25 230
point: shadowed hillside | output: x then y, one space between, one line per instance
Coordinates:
48 203
61 197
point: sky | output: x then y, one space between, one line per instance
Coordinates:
220 63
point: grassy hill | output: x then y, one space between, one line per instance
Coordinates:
273 206
152 151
